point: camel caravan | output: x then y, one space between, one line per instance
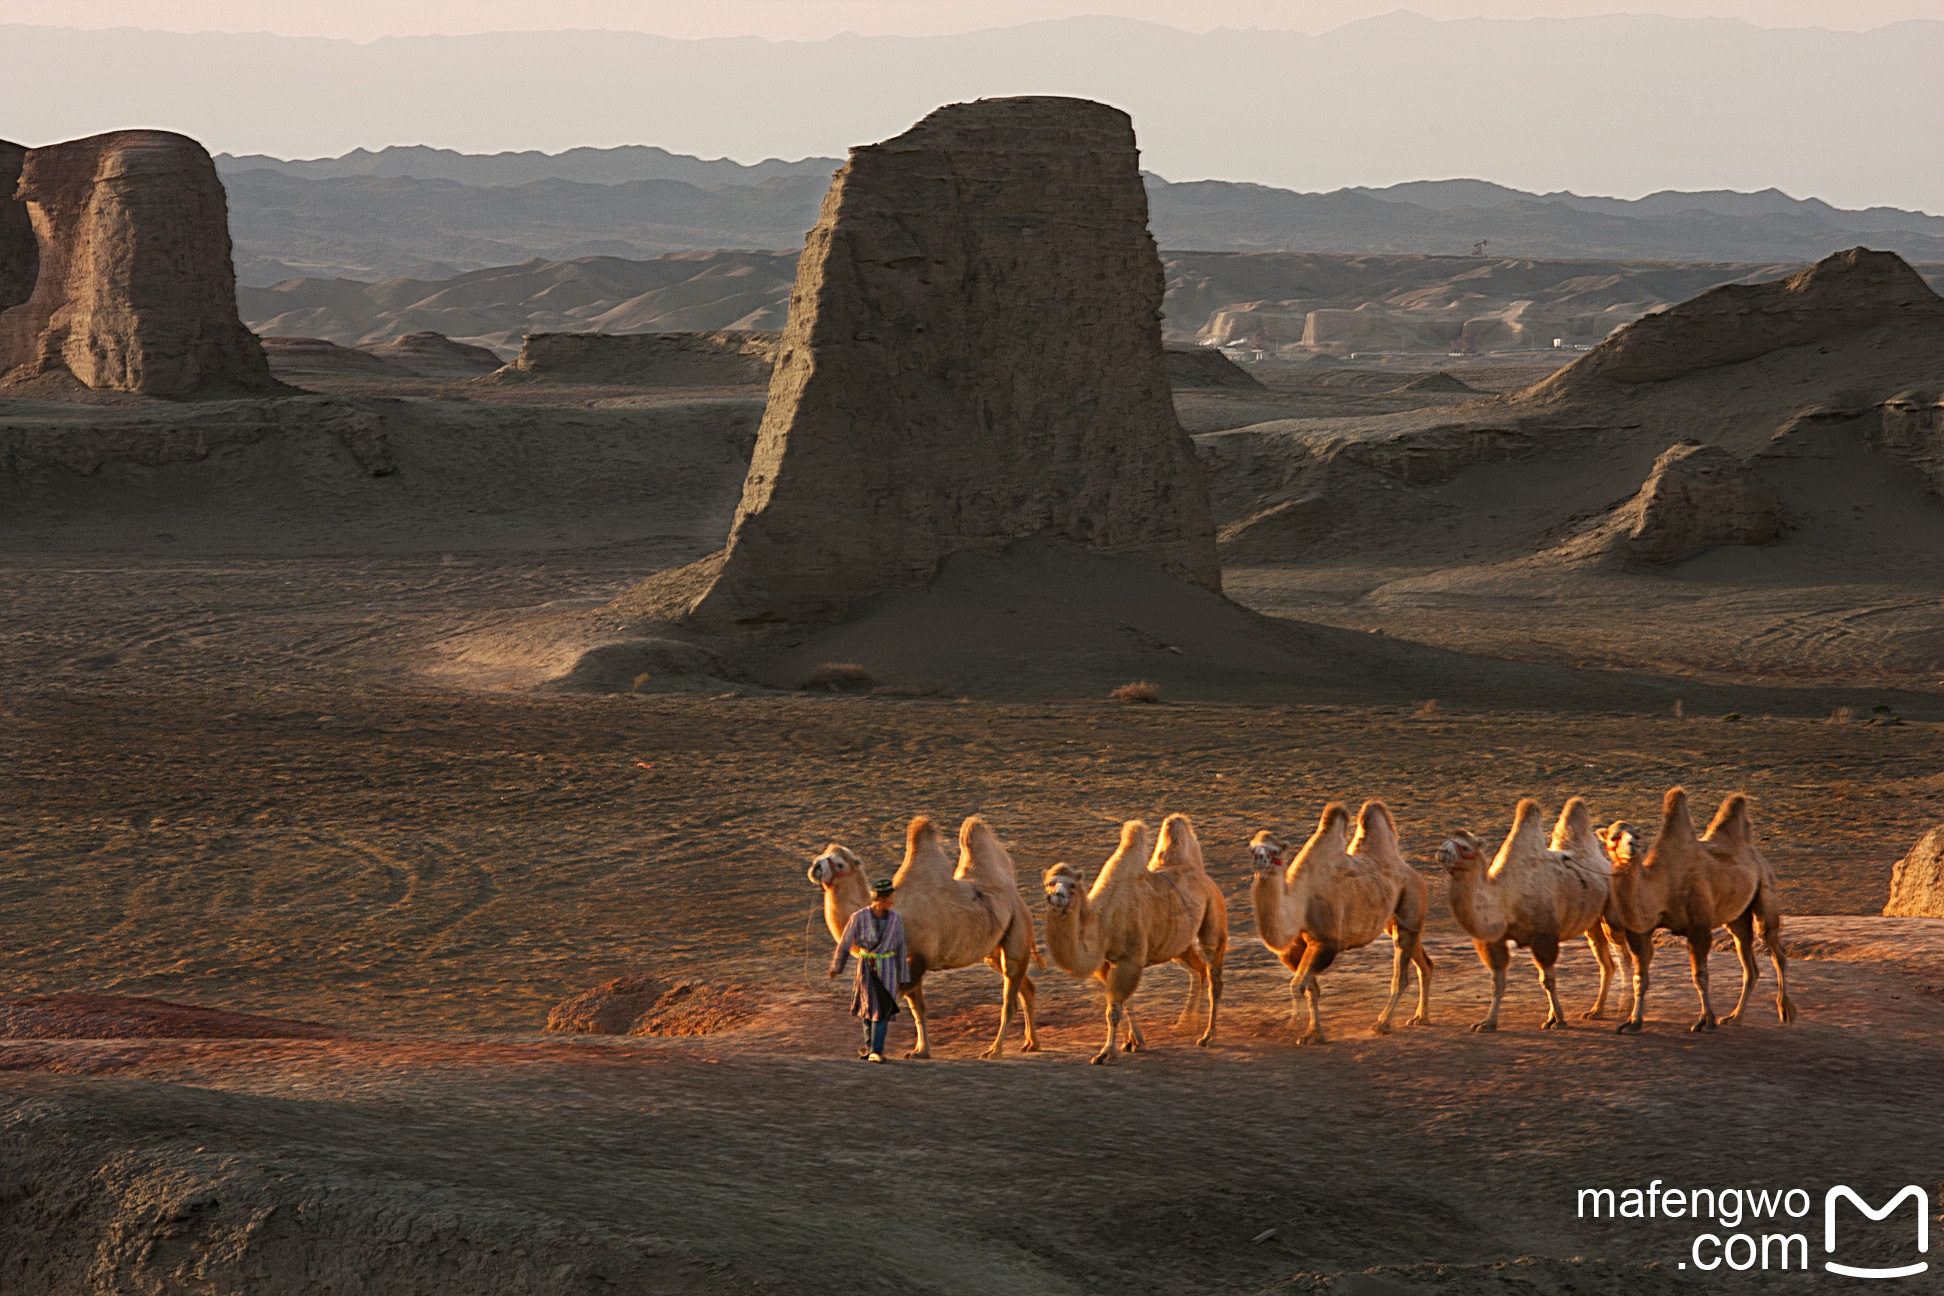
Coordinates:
1154 902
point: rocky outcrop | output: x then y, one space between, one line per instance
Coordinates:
726 359
298 356
18 254
640 1005
1917 883
973 355
1207 367
1698 497
134 290
434 355
1841 294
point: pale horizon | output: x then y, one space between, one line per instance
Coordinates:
1706 103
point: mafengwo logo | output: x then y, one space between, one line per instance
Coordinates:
1740 1250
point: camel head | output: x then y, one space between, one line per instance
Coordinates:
1063 886
1461 852
1266 854
1622 842
835 863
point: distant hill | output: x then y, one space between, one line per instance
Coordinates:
430 213
583 165
1414 301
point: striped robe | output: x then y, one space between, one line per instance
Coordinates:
884 938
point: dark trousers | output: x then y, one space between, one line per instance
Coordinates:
883 1007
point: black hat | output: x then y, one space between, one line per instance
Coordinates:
881 887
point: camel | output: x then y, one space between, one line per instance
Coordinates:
1692 885
1535 894
954 917
1135 917
1338 894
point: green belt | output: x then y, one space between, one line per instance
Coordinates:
886 955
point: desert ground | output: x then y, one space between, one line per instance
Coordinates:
236 780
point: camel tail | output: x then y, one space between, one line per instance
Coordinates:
1178 847
1731 823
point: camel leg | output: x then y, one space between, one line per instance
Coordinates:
1421 957
1642 946
1494 955
1400 955
1214 998
1027 995
1013 968
1597 939
1196 976
1316 957
1743 930
914 994
1136 1041
1545 953
1120 983
1698 940
1768 922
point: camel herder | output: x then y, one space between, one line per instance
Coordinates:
875 936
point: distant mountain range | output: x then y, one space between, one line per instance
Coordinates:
430 213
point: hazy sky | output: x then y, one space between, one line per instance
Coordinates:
816 19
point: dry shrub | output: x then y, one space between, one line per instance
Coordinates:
837 677
1138 691
1426 709
1841 715
696 1008
1679 709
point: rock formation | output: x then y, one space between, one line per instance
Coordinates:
724 359
1697 497
293 356
973 355
134 290
1840 294
434 355
18 254
1917 883
1207 367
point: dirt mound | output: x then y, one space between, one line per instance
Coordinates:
1207 367
1917 883
19 252
135 290
610 1008
643 359
967 363
1843 293
99 1016
1441 381
292 356
642 1005
1696 498
434 355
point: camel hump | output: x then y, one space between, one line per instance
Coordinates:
1675 819
980 853
1731 822
1574 831
1376 830
1178 847
920 831
1335 815
1134 833
1527 837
